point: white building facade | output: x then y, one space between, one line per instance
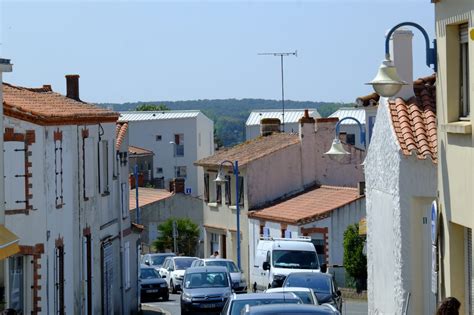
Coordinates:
177 138
291 119
67 200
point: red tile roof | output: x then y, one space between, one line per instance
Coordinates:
120 132
308 206
251 150
132 150
147 196
414 120
42 106
368 100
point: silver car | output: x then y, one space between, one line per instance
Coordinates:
239 283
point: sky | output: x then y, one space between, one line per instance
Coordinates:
127 51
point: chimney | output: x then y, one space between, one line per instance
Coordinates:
307 125
361 188
269 126
402 56
72 86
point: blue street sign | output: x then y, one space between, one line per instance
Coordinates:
434 221
188 191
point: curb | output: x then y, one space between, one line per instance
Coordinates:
147 308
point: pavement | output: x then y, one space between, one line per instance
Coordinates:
172 307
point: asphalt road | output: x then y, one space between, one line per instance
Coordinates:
350 307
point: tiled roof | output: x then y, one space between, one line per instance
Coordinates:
414 120
291 115
120 132
147 196
368 100
42 106
132 150
251 150
308 206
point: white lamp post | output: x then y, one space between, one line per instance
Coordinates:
337 151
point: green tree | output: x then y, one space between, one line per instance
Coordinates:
188 236
151 107
355 261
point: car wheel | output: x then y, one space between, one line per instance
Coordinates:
166 297
173 289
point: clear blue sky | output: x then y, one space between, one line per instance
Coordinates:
182 50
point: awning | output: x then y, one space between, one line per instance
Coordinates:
8 243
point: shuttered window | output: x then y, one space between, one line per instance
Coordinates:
59 280
89 168
218 193
58 170
464 71
104 166
228 191
206 187
15 175
241 191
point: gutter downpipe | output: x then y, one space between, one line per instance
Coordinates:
122 287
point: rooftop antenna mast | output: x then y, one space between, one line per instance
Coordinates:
281 55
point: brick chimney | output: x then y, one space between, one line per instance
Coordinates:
402 56
269 126
72 86
307 125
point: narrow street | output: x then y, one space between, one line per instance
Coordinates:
350 307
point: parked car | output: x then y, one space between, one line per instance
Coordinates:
156 260
275 258
205 289
322 284
306 295
290 309
173 271
152 286
236 303
238 279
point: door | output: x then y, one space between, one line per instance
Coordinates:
107 278
15 266
224 246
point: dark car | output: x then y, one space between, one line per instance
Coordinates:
322 284
152 286
236 303
205 289
290 309
156 260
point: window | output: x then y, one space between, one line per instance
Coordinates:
180 171
218 193
214 243
104 166
88 167
126 254
15 193
15 266
179 144
158 138
206 187
228 194
124 198
58 169
283 232
159 170
350 138
59 280
464 72
87 270
241 191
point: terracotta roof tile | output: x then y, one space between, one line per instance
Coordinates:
368 100
414 120
147 196
132 150
120 132
251 150
308 206
44 107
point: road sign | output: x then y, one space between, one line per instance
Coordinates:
188 191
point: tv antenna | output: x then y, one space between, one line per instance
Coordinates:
281 55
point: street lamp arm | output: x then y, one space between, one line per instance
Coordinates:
430 52
362 131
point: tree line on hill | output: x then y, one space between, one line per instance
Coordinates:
229 115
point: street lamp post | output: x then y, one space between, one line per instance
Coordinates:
387 83
337 151
220 179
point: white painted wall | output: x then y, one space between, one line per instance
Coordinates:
397 187
142 134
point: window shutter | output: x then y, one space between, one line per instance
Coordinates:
89 167
228 194
127 264
58 165
104 166
15 175
206 187
463 33
241 191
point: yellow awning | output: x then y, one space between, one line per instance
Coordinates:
8 243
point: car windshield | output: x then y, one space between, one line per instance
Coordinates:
318 284
158 260
148 273
237 306
295 259
306 297
206 280
231 267
183 263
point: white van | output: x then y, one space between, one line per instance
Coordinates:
276 258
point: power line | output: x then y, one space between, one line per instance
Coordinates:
281 55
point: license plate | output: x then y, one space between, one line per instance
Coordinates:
208 305
152 291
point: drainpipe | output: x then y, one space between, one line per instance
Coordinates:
120 192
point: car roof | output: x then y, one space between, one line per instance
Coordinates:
216 259
162 254
310 274
143 266
206 269
182 257
288 289
285 308
266 296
